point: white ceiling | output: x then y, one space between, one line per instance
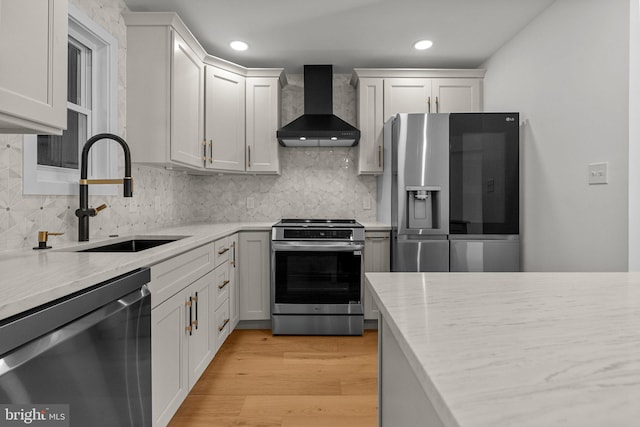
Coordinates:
352 33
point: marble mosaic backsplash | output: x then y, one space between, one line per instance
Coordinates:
314 182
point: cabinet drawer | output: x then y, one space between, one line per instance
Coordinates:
221 250
376 234
171 276
221 284
222 325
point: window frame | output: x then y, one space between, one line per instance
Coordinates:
49 180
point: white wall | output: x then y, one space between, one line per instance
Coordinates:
568 75
634 137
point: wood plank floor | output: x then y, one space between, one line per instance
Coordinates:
258 379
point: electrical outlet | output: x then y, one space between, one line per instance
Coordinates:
598 173
250 203
366 203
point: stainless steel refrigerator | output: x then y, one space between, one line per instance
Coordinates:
451 191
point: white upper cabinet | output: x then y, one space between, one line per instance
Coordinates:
186 103
165 92
370 121
33 66
406 96
263 120
225 119
456 95
192 111
383 93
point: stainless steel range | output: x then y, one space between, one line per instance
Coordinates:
316 277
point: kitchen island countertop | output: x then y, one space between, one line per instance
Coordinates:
516 349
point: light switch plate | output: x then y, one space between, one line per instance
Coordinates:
598 173
250 202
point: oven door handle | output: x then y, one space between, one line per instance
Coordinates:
316 246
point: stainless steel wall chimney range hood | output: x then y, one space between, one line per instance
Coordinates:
318 126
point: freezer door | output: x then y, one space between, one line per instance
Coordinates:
485 255
410 253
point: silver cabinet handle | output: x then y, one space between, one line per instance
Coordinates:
379 156
428 104
437 105
204 151
249 151
223 250
211 151
225 283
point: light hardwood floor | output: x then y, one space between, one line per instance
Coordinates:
257 379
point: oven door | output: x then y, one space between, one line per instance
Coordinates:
316 277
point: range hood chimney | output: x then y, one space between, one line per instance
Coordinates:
318 126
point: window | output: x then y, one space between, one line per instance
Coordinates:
51 163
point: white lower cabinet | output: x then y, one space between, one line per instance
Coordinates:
234 288
181 347
376 258
222 327
191 298
220 304
198 317
169 367
254 277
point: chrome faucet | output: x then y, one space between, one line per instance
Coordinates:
84 212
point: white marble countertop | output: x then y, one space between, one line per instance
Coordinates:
30 278
520 349
375 226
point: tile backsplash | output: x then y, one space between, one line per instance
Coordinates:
314 182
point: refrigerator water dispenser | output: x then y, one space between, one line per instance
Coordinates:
423 209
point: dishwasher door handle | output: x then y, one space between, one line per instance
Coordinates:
25 327
68 331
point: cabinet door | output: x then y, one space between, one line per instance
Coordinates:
263 119
376 258
234 291
33 66
370 121
254 275
187 104
224 123
405 95
456 95
169 364
201 348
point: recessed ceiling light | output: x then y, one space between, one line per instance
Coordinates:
238 45
422 44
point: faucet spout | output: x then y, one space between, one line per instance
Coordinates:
84 212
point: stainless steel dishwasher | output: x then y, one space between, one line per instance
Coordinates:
90 350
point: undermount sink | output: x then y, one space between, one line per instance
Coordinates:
135 244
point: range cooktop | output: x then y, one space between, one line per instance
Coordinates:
317 222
